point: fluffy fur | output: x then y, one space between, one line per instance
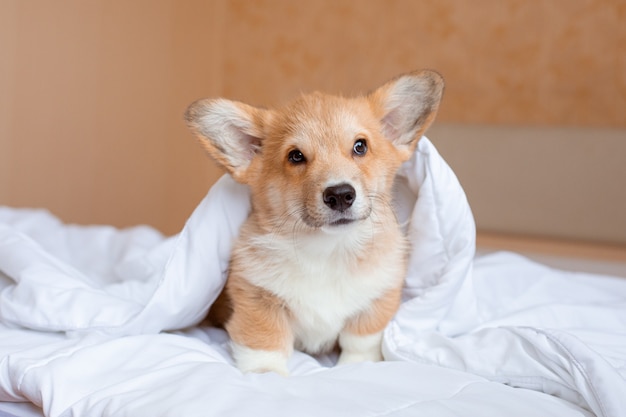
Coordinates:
321 258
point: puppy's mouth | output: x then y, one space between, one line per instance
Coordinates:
334 222
342 222
316 223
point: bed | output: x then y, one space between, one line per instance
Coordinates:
96 321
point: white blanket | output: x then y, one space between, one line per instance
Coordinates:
96 321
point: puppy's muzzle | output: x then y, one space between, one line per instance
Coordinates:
339 197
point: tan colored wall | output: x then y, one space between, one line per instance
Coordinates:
505 61
91 93
557 181
92 103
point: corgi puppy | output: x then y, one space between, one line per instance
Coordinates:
321 259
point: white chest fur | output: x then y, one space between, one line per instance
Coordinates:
326 278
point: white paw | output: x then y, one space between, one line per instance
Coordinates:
354 357
357 348
260 361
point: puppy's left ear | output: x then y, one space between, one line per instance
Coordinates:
406 106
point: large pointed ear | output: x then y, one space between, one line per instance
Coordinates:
407 105
230 131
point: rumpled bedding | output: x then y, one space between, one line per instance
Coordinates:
96 321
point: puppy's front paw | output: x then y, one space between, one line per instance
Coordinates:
347 357
360 348
260 361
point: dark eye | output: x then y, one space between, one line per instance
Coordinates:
360 147
296 157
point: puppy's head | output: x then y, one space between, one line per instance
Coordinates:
321 161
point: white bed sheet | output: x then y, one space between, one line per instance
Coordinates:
96 321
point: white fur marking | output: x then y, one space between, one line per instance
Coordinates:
256 360
357 348
323 295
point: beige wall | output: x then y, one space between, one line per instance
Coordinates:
505 61
92 93
92 103
566 182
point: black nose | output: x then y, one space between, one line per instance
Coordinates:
339 197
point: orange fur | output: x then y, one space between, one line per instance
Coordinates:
312 262
261 321
378 315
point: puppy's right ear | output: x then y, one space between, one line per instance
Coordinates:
231 132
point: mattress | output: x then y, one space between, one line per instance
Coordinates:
96 321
